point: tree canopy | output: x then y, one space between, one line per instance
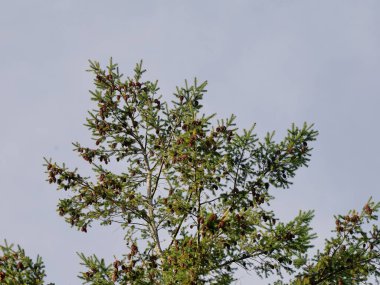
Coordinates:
192 194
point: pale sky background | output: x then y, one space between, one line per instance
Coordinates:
271 62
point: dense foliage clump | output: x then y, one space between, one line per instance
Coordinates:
17 268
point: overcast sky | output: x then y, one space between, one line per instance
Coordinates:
269 62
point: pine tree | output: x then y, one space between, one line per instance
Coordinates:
193 196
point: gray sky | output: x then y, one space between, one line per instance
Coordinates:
270 62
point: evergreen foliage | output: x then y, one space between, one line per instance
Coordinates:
17 268
193 195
